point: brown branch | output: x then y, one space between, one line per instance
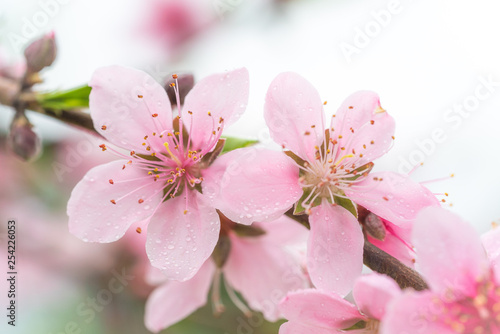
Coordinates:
74 117
379 261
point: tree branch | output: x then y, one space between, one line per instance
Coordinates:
74 117
379 261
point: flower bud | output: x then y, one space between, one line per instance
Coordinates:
375 226
22 140
184 84
41 53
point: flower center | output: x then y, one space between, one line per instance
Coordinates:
169 156
331 173
478 314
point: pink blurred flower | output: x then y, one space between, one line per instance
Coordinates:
174 22
158 181
11 70
321 312
464 280
334 165
262 268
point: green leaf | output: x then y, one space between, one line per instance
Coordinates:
75 98
233 143
346 204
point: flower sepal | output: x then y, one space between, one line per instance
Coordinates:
222 250
302 205
248 230
346 204
359 325
298 160
210 157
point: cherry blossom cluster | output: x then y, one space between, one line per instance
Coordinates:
215 218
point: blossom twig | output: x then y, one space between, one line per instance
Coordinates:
379 261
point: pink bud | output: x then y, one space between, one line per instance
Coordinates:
184 84
22 140
41 53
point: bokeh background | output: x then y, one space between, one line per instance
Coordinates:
435 65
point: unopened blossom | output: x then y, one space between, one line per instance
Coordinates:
322 312
262 268
463 276
320 168
159 177
392 238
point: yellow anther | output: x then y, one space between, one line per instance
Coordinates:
379 110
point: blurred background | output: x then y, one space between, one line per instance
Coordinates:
435 65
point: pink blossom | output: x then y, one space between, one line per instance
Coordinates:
329 165
322 312
159 179
174 22
464 281
262 268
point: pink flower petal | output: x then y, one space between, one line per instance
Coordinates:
258 185
397 243
154 276
415 313
118 111
335 248
223 95
294 327
179 243
92 216
285 231
373 293
449 252
263 272
293 107
394 197
359 123
491 242
320 309
173 301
